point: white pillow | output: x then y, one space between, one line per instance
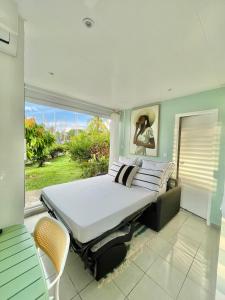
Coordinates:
163 188
149 179
167 168
114 168
131 161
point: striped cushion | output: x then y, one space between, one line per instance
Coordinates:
131 161
126 174
115 168
166 167
149 179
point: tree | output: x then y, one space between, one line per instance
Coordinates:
38 141
91 143
96 125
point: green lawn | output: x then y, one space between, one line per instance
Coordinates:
58 170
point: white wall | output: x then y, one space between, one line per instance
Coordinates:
12 135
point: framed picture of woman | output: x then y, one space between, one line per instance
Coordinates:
145 131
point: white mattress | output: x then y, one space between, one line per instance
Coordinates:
92 206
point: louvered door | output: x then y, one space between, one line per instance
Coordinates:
198 161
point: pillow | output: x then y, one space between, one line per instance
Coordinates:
114 168
169 171
149 179
163 189
126 174
166 168
131 161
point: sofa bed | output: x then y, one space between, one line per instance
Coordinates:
101 215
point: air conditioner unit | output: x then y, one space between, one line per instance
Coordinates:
8 27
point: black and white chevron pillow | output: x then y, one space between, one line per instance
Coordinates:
126 174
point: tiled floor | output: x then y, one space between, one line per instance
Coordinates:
179 262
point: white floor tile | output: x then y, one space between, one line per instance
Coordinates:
212 236
208 253
148 233
179 220
193 291
168 232
178 258
95 291
78 275
185 212
186 244
66 288
77 297
196 223
167 276
146 289
71 257
145 258
128 278
158 245
142 239
204 274
192 233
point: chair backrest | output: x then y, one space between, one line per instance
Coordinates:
53 238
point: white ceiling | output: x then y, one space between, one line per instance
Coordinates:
136 51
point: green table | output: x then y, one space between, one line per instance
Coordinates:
21 274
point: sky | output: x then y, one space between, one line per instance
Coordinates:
61 120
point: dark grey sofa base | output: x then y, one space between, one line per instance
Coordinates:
163 210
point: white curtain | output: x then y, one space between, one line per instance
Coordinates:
114 138
223 204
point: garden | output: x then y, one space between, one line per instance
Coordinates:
84 155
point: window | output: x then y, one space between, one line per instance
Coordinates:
62 146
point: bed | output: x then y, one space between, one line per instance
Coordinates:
100 216
95 205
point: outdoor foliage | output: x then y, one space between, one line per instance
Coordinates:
91 143
86 154
93 167
92 148
57 149
79 147
38 141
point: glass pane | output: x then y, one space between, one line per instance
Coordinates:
62 146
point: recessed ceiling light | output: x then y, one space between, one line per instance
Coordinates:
51 73
88 22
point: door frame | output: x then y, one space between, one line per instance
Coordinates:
177 134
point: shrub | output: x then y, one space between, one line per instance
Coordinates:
100 145
86 146
93 142
57 149
80 147
93 167
38 141
91 148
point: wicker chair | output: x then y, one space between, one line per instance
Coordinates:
53 239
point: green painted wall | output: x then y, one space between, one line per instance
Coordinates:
168 109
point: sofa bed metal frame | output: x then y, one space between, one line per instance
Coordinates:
111 245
